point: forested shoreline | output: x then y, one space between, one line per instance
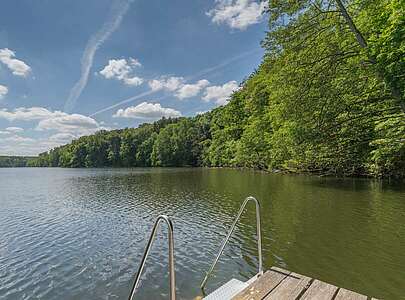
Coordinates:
327 98
16 161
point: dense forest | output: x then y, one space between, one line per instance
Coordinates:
328 98
15 161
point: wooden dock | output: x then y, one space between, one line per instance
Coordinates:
279 284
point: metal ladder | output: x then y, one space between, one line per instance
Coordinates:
167 220
226 240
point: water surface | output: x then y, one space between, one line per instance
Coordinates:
80 233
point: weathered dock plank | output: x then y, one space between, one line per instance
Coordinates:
263 285
344 294
319 291
279 284
290 288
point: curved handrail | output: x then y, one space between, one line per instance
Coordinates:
171 257
259 239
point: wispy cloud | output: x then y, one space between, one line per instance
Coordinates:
225 63
117 12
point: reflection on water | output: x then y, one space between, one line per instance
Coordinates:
80 234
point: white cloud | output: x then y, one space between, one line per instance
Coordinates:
166 83
117 12
133 81
147 110
2 132
196 75
121 69
17 67
62 127
178 86
191 90
75 124
19 139
62 138
17 145
14 129
3 91
134 62
28 114
238 14
220 94
53 120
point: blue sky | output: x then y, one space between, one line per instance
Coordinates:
70 68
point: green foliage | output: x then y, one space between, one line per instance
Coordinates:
15 161
319 102
387 40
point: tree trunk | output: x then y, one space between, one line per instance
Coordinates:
395 92
352 26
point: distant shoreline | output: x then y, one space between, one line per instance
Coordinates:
276 171
15 161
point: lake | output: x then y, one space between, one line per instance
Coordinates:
81 233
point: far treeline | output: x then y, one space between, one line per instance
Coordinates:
328 98
15 161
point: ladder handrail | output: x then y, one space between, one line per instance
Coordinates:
161 218
259 239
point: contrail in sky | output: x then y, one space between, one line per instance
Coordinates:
223 64
117 12
123 102
188 78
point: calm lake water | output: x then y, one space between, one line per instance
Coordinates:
80 233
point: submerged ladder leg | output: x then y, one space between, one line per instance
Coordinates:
168 221
259 239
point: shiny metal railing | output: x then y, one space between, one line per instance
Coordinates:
259 239
161 218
